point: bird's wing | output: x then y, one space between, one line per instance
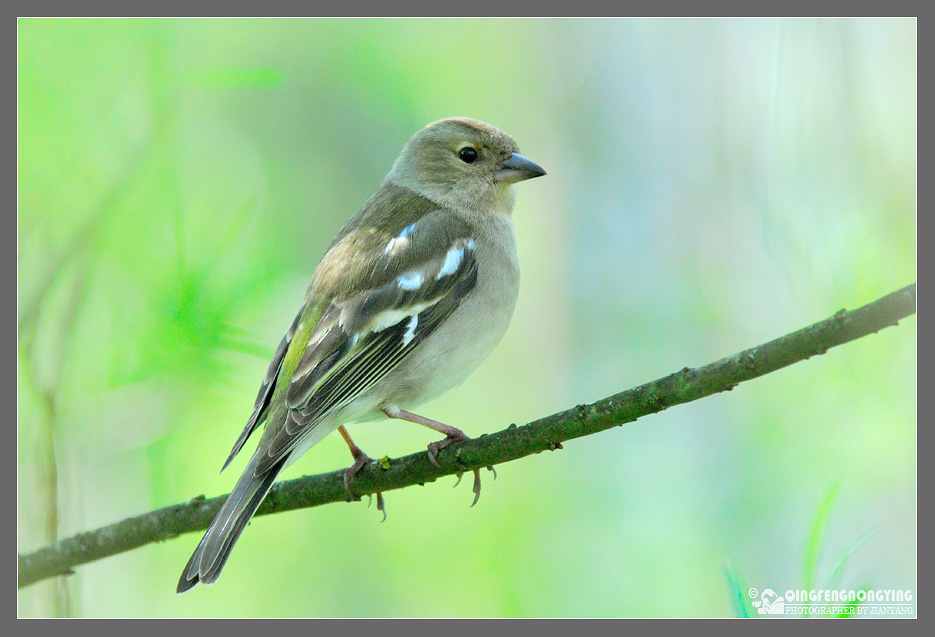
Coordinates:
401 294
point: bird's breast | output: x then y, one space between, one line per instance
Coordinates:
452 353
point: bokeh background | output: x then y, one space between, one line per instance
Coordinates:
712 184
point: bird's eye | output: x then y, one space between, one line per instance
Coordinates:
468 155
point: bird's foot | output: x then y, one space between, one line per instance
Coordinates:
434 447
476 487
359 463
380 504
452 434
361 459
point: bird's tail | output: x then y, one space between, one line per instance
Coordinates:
215 547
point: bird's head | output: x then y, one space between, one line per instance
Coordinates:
463 163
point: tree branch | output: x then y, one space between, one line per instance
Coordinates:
509 444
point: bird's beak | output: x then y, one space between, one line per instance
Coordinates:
517 168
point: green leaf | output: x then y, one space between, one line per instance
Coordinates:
817 537
738 592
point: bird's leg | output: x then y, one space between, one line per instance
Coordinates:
360 459
452 434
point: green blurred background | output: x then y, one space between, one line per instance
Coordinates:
712 184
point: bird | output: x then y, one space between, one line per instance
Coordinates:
413 293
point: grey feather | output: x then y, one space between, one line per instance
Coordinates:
215 547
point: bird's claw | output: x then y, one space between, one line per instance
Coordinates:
381 505
359 462
476 487
438 445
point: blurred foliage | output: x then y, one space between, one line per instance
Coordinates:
712 184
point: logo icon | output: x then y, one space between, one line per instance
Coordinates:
769 603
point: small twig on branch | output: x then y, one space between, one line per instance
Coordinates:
503 446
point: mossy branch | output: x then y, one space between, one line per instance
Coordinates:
509 444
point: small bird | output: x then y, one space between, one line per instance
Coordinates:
413 293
